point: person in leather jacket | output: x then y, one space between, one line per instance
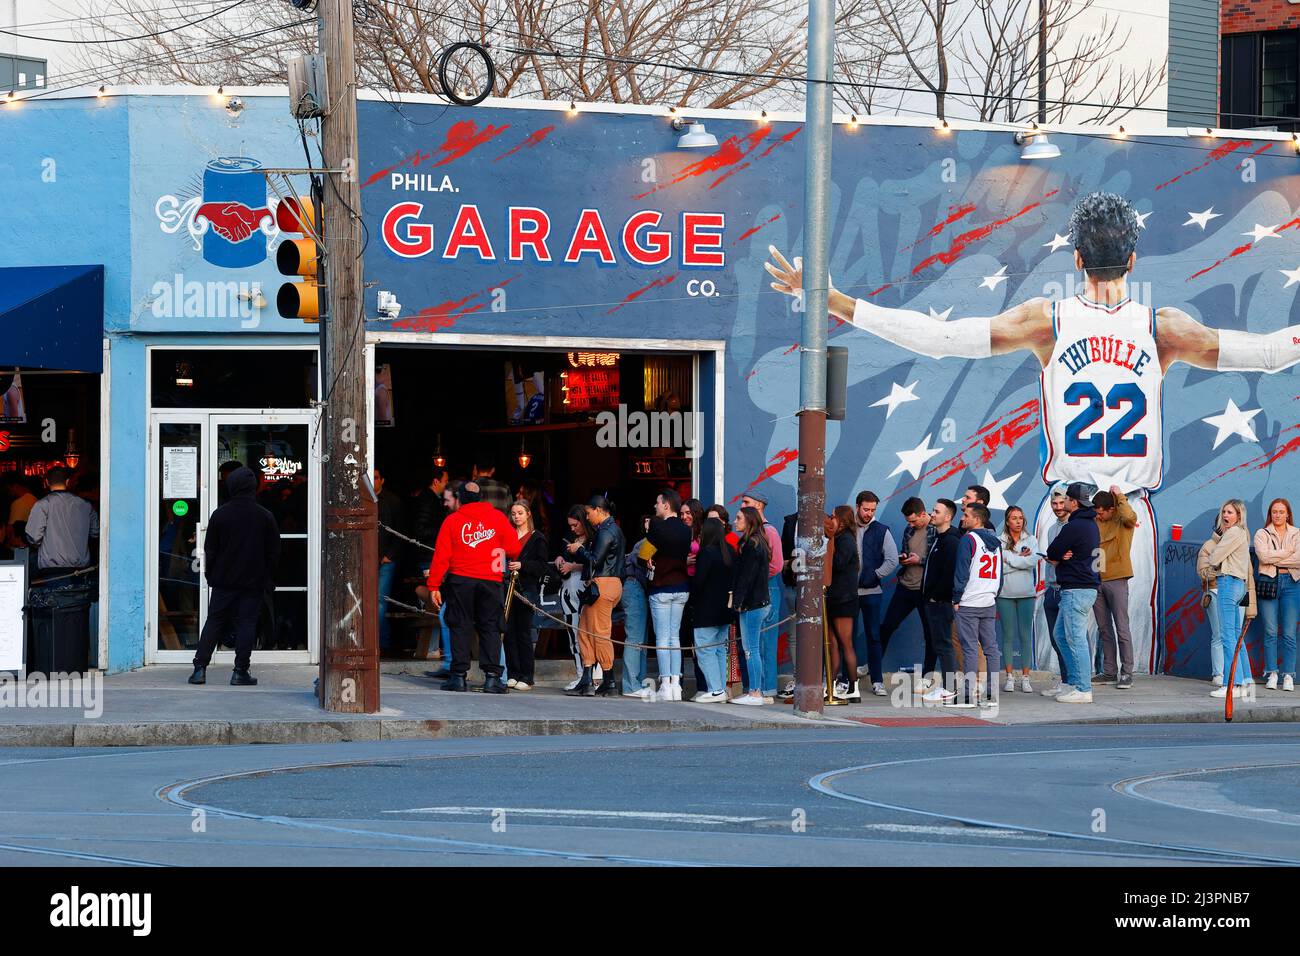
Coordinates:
604 560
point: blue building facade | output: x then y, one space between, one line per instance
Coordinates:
506 226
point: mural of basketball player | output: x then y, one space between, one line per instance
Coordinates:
1103 358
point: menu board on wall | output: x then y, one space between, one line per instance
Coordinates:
180 472
590 389
13 595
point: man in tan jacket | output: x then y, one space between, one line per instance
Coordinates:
1116 521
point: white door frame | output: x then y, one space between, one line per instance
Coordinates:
563 343
209 419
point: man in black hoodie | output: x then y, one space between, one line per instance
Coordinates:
936 586
1075 553
240 552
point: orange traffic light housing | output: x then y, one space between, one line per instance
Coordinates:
298 257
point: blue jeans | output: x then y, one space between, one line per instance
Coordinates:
772 634
1216 648
387 572
868 646
635 610
1287 606
1231 591
713 660
1051 611
666 609
751 638
1076 608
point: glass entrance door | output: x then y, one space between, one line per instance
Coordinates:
192 456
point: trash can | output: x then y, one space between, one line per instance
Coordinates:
58 629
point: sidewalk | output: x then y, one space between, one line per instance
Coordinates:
156 707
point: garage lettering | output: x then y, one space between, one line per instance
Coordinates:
645 238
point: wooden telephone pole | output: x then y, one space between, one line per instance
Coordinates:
349 663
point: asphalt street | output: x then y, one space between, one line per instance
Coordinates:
1135 795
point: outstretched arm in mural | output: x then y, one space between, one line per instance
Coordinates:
1181 338
1025 326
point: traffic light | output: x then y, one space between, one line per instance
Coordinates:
298 257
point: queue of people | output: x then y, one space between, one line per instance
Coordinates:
692 573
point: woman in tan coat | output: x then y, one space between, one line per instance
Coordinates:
1277 545
1230 562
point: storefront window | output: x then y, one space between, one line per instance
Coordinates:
233 378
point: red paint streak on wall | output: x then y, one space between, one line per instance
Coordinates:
959 244
632 296
1267 458
749 232
464 137
997 436
415 159
954 213
729 159
533 139
1263 149
780 461
793 348
444 315
1216 154
1182 620
751 374
1214 265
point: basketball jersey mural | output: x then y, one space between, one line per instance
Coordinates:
1121 316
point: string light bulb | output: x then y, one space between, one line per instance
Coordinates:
1122 133
103 91
762 117
573 108
943 128
853 121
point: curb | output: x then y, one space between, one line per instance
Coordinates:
1263 715
207 733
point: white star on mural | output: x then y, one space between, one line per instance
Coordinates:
1233 421
941 316
998 489
1142 219
897 396
912 461
1292 276
1057 242
1119 479
1201 218
1262 232
991 282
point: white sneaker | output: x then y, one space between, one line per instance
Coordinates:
512 683
768 699
937 695
1010 685
1056 690
1272 681
841 690
1218 680
864 670
1222 692
710 697
677 687
788 692
1288 682
665 692
878 690
747 700
519 685
921 686
1074 696
644 693
1025 686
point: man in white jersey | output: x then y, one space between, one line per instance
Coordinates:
1103 357
977 579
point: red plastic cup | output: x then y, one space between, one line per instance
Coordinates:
1176 532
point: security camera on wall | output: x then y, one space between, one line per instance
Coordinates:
389 307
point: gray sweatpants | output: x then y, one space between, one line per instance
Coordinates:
1112 603
977 628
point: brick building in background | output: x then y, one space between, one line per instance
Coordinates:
1260 64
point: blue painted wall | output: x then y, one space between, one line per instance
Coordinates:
123 166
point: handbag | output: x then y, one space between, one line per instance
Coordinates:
1265 588
589 594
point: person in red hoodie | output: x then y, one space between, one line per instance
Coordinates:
469 562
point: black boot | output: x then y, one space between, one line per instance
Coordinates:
455 682
200 675
608 686
242 678
495 685
584 688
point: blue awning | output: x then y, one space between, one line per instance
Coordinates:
52 317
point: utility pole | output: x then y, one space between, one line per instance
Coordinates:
349 662
1042 61
811 537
